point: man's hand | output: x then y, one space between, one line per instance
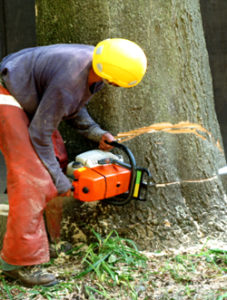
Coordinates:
106 137
69 193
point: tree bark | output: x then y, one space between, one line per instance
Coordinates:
188 201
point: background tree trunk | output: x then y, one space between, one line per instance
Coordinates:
188 201
215 25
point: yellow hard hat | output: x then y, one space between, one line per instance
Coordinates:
119 61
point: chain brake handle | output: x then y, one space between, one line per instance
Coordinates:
126 198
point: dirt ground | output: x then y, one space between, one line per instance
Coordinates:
199 272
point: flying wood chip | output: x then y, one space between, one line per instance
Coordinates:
179 128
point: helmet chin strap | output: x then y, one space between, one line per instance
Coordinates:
109 82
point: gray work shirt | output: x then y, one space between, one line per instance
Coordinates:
51 85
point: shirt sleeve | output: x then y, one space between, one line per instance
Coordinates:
48 115
86 126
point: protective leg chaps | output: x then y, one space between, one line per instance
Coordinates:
29 188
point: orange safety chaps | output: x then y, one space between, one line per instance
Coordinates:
29 188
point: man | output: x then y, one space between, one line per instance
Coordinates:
42 86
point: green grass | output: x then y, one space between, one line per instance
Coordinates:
112 267
105 254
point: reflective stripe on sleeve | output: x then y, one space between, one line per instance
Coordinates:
9 100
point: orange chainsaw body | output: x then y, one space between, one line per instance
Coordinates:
100 182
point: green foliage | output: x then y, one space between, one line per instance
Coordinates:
217 258
182 267
113 268
104 256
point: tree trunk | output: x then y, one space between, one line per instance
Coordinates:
215 25
188 201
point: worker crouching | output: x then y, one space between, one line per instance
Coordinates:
42 87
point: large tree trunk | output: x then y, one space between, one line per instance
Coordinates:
188 201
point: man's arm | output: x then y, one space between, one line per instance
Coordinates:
86 126
46 119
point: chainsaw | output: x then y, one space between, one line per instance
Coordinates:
100 175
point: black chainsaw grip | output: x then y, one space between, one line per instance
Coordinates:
113 143
126 150
133 173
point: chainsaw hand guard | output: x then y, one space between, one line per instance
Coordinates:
137 183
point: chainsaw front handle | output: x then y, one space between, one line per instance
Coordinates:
132 166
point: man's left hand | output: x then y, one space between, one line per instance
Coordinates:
106 137
68 193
